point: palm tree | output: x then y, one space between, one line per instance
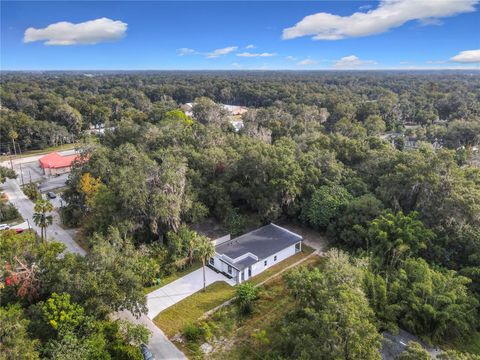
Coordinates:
13 135
40 217
204 251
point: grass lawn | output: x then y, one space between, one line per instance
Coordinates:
174 319
41 151
232 333
172 277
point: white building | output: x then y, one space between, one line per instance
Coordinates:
250 254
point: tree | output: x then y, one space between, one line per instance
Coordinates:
14 340
374 125
325 205
6 173
246 294
351 225
13 135
40 217
433 303
392 238
332 319
414 351
205 250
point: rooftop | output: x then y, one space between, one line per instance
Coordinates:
54 160
262 242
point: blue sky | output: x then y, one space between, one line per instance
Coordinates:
240 35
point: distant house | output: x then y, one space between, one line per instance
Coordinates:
56 164
250 254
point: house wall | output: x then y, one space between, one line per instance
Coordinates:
56 171
258 267
222 267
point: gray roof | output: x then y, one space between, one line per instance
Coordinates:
262 242
242 264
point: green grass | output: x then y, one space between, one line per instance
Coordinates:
41 151
272 305
172 277
174 319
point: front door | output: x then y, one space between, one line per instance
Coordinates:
249 271
243 276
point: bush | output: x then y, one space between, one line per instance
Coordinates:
126 352
191 332
8 212
31 191
246 294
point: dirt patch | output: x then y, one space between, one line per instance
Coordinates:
211 228
311 237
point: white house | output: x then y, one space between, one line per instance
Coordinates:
250 254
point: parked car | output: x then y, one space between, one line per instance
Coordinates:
51 195
147 354
18 231
4 227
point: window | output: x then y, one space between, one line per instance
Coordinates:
297 247
265 263
212 261
229 269
275 258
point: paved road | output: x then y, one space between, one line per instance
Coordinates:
158 344
170 294
25 207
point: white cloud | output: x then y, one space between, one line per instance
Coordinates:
389 14
185 51
467 56
291 58
250 46
67 33
248 54
306 62
352 61
223 51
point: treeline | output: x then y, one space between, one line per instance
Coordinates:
53 108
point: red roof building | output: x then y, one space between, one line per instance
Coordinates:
55 164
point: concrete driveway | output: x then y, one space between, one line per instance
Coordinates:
170 294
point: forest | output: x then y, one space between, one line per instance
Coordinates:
405 221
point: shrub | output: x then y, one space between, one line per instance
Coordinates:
246 294
31 191
8 212
192 332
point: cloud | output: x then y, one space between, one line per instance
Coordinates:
87 33
223 51
352 61
306 62
248 54
389 14
291 58
251 46
467 56
185 51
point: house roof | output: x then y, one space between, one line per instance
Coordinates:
262 242
54 160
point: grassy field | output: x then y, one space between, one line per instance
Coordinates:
176 317
239 334
175 276
41 151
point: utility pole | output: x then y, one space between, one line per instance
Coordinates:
21 174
